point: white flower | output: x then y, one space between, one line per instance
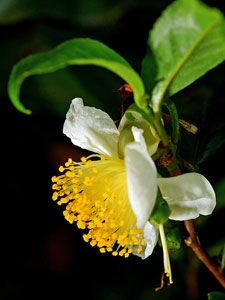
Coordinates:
112 197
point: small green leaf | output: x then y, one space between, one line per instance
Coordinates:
161 211
81 51
186 42
216 296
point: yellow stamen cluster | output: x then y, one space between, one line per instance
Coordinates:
96 198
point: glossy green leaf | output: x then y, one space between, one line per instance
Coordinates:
216 296
186 41
82 51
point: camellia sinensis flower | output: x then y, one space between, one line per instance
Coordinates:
111 194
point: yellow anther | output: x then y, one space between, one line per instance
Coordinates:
122 252
93 243
55 196
70 174
94 170
63 201
69 162
61 169
81 225
135 231
102 250
114 253
86 237
83 159
134 240
88 163
100 243
71 219
54 178
55 186
139 249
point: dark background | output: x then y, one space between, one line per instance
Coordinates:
43 256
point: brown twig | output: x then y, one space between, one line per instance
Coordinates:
193 242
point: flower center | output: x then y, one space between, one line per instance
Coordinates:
96 195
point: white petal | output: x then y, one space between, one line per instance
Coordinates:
188 195
141 178
91 129
151 237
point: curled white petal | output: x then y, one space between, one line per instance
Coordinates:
151 237
188 195
141 178
91 129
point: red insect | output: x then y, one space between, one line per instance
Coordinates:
125 91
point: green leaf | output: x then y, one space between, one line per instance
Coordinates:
216 296
186 42
74 52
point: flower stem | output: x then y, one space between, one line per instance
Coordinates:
166 258
160 128
193 242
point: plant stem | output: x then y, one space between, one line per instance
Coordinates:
193 242
166 258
